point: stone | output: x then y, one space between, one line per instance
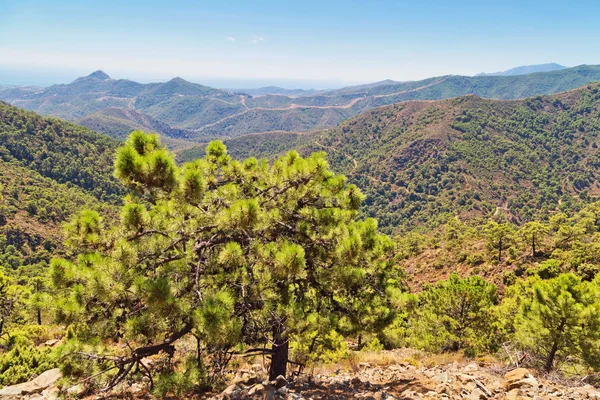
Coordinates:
518 378
380 395
476 394
76 390
51 342
473 367
37 385
256 390
230 391
279 382
442 378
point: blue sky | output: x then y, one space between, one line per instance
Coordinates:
322 43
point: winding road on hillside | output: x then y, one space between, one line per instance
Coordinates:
300 106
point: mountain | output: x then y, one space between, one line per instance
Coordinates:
49 169
194 112
527 69
421 161
276 90
117 122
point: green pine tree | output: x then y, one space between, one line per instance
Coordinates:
558 318
230 252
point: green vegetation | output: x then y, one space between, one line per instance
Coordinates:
238 258
64 152
419 163
264 254
225 256
559 318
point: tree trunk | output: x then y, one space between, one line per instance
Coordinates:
1 326
500 251
550 360
533 245
280 352
39 316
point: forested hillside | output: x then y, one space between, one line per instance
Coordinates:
49 170
421 162
59 150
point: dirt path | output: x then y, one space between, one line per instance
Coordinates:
297 106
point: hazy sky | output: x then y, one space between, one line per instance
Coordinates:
292 43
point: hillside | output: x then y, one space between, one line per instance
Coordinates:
49 169
61 151
421 161
116 122
182 109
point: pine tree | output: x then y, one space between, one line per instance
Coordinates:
230 252
456 314
533 233
499 236
9 302
560 317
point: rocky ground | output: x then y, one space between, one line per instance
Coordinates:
384 377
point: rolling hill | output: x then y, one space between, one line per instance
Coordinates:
193 112
420 162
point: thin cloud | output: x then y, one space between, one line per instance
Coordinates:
258 39
231 39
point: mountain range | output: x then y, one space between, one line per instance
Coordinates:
527 69
189 111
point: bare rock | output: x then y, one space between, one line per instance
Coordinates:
444 377
230 392
473 367
257 390
51 342
279 382
37 385
519 378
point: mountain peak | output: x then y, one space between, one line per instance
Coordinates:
178 79
98 75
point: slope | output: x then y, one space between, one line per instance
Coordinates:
421 161
49 169
59 150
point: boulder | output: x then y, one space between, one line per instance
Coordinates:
230 392
441 378
519 378
37 385
279 382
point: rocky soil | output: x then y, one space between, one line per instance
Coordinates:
464 381
384 378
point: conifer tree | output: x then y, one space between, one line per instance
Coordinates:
533 233
456 314
230 252
9 302
560 317
498 236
